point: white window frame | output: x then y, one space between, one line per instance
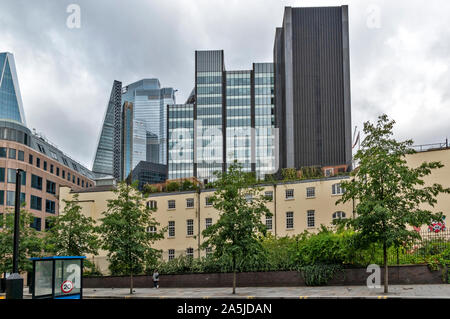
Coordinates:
289 220
310 192
208 222
288 191
171 254
190 252
269 222
311 218
190 200
339 215
336 189
269 194
151 229
171 201
189 227
207 202
171 227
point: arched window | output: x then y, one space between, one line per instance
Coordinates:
339 215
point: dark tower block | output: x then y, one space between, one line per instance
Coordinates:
312 86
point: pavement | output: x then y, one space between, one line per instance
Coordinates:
326 292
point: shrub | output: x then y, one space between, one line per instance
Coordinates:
173 187
318 275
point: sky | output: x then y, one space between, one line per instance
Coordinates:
399 57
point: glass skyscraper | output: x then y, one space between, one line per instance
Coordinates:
134 129
232 117
149 119
11 107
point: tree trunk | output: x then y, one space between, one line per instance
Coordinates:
234 275
131 283
385 268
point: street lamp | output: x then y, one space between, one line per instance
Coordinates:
14 282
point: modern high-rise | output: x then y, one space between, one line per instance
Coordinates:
150 102
11 106
228 117
107 159
134 129
312 87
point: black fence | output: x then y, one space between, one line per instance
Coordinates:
431 243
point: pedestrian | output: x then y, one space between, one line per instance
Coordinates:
156 278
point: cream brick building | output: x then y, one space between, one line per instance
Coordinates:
296 207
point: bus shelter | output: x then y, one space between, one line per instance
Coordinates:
58 277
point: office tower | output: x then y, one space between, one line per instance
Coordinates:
108 155
149 117
233 116
180 141
127 136
11 107
148 173
312 86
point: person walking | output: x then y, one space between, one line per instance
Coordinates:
156 278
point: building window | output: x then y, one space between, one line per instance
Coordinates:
41 148
21 156
208 201
73 179
51 187
310 192
53 154
310 218
36 224
2 151
190 252
65 161
68 176
30 159
48 224
49 206
208 251
269 195
82 183
57 171
2 199
208 222
289 193
151 229
290 220
63 174
12 153
190 227
36 182
36 202
339 215
2 174
329 172
152 204
171 254
171 228
269 222
51 168
45 165
38 162
171 204
336 189
248 198
189 203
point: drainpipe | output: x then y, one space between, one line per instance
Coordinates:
198 221
275 207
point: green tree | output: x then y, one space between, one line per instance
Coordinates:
125 232
30 243
389 194
72 233
238 232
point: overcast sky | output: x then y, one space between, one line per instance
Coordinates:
399 57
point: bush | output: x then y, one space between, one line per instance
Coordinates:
318 275
173 187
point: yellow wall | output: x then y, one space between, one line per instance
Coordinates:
323 204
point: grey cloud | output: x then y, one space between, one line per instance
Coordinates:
66 74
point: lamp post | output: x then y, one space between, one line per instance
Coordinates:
14 282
